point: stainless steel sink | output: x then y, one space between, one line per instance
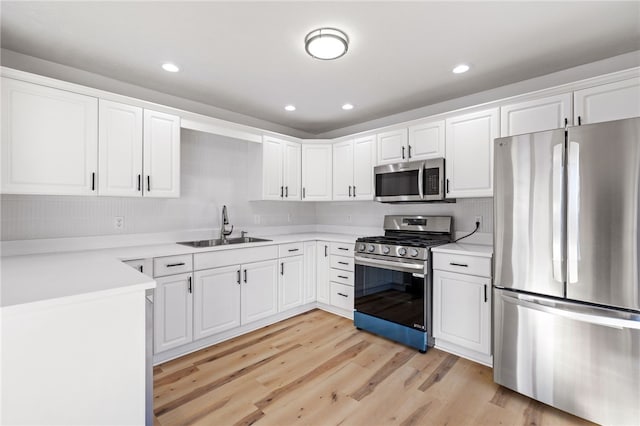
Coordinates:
218 242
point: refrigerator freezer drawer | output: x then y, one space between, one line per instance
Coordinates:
579 359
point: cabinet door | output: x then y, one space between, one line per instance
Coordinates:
49 140
613 101
536 116
216 300
469 149
272 168
322 272
292 173
259 290
343 170
173 312
392 146
290 285
309 293
461 310
426 140
119 149
364 160
316 172
161 155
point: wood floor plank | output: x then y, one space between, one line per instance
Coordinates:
399 359
439 373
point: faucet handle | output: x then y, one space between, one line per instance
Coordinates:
243 234
227 232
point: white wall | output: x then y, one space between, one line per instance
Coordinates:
213 173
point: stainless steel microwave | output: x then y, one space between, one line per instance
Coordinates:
413 181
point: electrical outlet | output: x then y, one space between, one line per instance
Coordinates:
478 220
118 222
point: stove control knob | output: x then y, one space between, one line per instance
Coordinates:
385 249
402 251
361 247
371 248
414 252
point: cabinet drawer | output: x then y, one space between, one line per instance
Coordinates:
471 265
339 276
291 249
142 265
341 296
342 262
342 249
215 259
171 265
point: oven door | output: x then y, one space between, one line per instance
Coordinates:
411 181
393 291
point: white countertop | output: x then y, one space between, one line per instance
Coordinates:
465 248
58 277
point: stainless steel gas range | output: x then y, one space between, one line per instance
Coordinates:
393 278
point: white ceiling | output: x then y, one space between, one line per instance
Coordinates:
249 57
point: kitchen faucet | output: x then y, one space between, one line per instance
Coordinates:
225 222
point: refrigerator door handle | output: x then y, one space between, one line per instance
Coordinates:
591 314
557 229
573 211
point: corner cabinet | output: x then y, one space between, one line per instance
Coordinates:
49 140
275 170
353 163
462 305
469 147
316 172
613 101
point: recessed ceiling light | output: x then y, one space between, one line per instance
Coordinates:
461 68
290 108
326 43
347 106
168 66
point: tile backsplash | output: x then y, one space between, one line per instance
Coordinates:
213 173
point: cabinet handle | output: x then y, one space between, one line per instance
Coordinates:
403 152
409 146
286 191
245 276
291 250
304 192
485 293
171 265
238 281
190 288
354 190
148 183
93 181
139 182
579 121
282 192
343 277
282 268
344 263
342 294
325 250
458 264
566 123
447 186
349 190
140 268
342 248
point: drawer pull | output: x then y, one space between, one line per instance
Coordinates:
171 265
290 250
344 263
343 277
342 248
342 294
458 264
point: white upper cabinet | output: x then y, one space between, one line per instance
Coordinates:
469 149
536 115
353 163
161 154
275 170
316 172
426 140
272 161
292 173
49 140
119 149
392 146
613 101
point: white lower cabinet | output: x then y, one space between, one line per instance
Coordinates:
259 294
322 272
216 301
309 282
290 283
462 307
173 312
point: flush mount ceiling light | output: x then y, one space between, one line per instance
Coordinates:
326 43
168 66
461 68
290 108
347 107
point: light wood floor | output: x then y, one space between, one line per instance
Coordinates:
317 369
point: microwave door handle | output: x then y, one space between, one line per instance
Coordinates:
420 181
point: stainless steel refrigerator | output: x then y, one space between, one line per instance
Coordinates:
566 290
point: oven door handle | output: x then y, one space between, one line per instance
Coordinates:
394 266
